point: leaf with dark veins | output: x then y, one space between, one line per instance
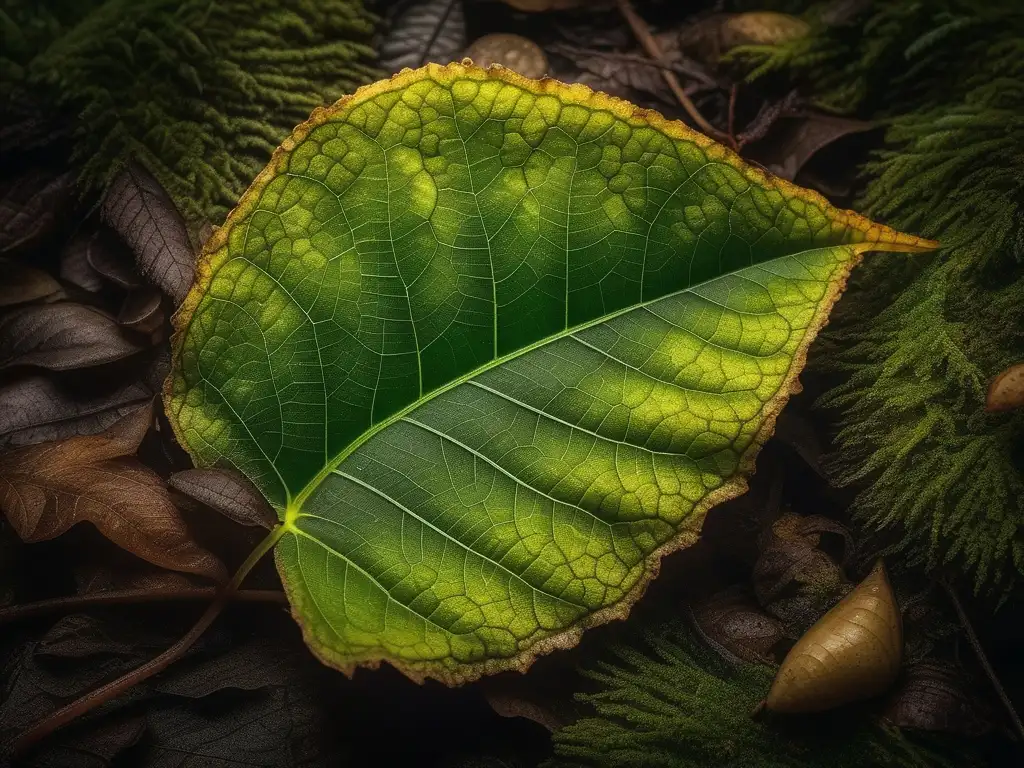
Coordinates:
229 492
61 336
430 31
31 206
47 488
37 408
148 221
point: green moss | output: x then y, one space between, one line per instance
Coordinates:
916 342
667 701
199 92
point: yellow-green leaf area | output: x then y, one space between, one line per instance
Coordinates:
493 346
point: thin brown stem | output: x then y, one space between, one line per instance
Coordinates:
643 34
972 638
132 597
732 113
115 688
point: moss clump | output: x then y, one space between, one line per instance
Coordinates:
198 92
668 702
917 341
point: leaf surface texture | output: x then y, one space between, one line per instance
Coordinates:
491 347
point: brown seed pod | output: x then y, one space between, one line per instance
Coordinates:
762 28
512 51
853 652
935 696
1006 391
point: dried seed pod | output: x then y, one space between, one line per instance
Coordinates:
762 28
512 51
1006 391
852 653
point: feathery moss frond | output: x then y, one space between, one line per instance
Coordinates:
668 702
918 341
200 93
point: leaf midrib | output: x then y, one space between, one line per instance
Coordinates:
294 506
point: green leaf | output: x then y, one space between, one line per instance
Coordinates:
492 347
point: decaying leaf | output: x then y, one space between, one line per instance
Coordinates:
139 209
795 139
1006 391
61 336
541 6
22 284
47 488
761 28
852 653
795 578
491 347
733 621
512 51
934 696
431 31
110 258
31 206
39 408
74 262
142 310
229 492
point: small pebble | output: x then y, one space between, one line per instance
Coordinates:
512 51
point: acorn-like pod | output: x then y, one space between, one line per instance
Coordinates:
1006 391
853 652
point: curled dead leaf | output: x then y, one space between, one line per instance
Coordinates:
799 571
1006 392
852 653
47 488
934 696
22 284
732 620
229 492
511 51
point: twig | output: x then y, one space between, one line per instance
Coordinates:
643 34
632 58
132 596
115 688
732 114
983 660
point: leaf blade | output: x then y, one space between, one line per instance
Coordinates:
443 261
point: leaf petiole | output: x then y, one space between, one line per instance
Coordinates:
115 688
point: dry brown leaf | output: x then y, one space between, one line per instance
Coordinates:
795 578
732 620
934 696
852 653
47 488
1006 391
511 51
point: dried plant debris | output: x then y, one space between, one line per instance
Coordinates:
512 51
852 653
139 209
62 336
22 284
796 578
422 32
37 408
229 492
47 488
938 696
732 621
31 207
